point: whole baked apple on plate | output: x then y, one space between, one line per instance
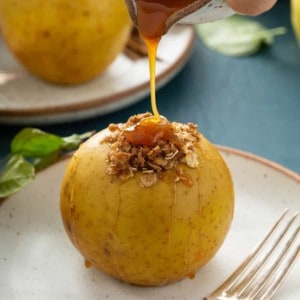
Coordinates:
37 260
148 203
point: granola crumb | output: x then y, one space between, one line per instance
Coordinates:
125 158
148 179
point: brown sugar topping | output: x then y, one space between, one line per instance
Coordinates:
126 157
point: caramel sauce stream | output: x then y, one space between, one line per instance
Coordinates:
152 46
152 16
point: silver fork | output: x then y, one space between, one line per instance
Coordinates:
260 275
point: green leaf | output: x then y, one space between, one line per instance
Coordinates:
41 149
73 141
70 143
32 142
41 163
237 35
17 173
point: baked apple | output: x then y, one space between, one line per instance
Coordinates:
148 203
62 41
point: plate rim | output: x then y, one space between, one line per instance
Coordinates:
262 160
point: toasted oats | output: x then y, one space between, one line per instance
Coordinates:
148 179
171 155
191 159
113 127
124 159
154 166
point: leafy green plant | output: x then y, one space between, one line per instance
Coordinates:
32 150
237 35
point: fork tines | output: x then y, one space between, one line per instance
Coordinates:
262 272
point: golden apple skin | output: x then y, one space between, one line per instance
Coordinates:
65 41
146 236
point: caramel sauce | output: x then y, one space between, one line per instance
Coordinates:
87 263
191 275
185 178
148 131
152 16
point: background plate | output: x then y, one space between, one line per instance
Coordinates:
26 99
37 260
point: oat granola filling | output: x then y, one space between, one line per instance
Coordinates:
125 158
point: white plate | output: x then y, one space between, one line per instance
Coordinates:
26 99
37 260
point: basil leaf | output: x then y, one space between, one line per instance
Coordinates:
17 173
32 142
237 35
70 143
73 141
41 163
41 149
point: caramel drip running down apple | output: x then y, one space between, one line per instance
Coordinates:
87 263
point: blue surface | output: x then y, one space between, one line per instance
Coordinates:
252 103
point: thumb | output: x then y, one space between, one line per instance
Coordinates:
251 7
